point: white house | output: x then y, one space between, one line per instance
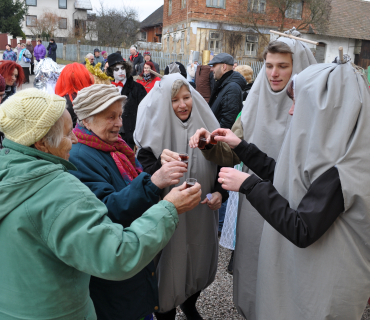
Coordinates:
72 14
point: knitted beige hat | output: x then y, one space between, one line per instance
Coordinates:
95 99
28 115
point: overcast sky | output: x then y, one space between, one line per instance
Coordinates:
144 7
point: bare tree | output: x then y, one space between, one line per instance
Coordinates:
117 27
46 25
259 14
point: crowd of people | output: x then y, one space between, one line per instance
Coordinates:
117 190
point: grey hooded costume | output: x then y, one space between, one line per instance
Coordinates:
329 279
188 263
264 122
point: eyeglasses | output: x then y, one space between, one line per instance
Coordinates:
119 68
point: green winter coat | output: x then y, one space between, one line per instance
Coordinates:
54 234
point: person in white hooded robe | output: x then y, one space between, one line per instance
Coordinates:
264 122
314 257
167 117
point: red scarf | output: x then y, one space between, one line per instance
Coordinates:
123 156
133 57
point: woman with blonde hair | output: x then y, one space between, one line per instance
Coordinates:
247 73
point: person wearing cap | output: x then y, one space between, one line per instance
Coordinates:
54 232
121 71
98 58
104 55
227 96
136 59
147 58
108 167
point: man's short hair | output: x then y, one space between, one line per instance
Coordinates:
89 55
39 40
276 47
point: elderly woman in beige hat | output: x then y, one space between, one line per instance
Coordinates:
107 165
54 232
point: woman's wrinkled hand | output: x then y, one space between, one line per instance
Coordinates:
194 140
169 156
216 201
232 179
184 199
226 135
169 174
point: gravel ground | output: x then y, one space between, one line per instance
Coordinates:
216 302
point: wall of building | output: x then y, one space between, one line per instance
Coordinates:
52 6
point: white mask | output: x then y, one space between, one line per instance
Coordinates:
119 72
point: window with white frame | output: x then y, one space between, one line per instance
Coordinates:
183 4
31 21
169 7
143 36
295 11
168 44
182 39
62 4
215 42
258 6
31 3
216 4
63 23
251 45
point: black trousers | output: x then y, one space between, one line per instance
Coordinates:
26 71
171 315
32 68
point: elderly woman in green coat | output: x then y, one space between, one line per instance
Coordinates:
54 232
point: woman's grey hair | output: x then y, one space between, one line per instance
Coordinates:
176 87
55 135
88 120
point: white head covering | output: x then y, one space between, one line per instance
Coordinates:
330 127
265 120
188 263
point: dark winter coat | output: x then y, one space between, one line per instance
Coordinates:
246 90
138 296
30 49
140 67
135 92
136 61
52 51
205 81
227 98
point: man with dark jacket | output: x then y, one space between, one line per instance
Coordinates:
52 50
121 70
227 96
136 59
147 58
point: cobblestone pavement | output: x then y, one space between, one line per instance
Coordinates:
215 303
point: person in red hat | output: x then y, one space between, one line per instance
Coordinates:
147 57
148 79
